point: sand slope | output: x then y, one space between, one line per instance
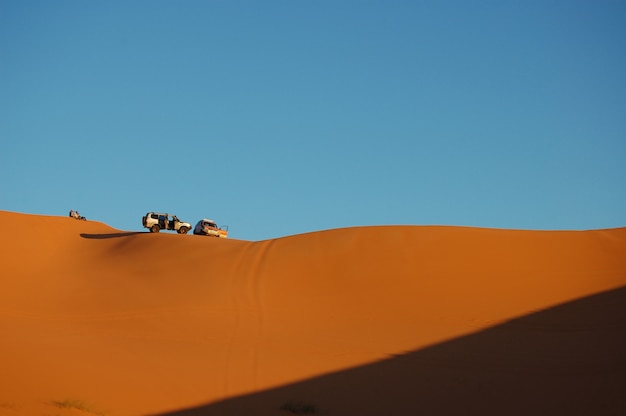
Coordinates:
371 320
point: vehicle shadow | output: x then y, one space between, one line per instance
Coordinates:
569 359
111 235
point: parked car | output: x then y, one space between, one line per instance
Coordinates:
156 222
210 228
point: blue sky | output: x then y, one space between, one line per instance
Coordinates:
284 117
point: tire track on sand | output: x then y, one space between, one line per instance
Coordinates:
249 321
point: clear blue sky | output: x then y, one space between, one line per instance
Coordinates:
284 117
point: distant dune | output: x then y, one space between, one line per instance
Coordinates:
387 320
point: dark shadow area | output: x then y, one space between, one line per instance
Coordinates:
566 360
111 235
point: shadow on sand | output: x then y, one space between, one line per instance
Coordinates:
568 360
110 235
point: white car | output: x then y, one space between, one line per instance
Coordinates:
156 222
209 227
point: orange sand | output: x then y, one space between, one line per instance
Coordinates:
393 320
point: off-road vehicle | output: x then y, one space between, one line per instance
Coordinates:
155 222
210 228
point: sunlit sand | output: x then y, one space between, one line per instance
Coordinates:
356 321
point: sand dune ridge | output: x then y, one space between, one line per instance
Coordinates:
136 323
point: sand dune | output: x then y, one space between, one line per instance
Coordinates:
364 321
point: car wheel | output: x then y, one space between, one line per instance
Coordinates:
154 229
183 230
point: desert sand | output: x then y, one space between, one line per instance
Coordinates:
386 320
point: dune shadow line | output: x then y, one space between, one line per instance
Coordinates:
568 360
110 235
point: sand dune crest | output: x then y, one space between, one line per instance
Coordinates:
131 323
